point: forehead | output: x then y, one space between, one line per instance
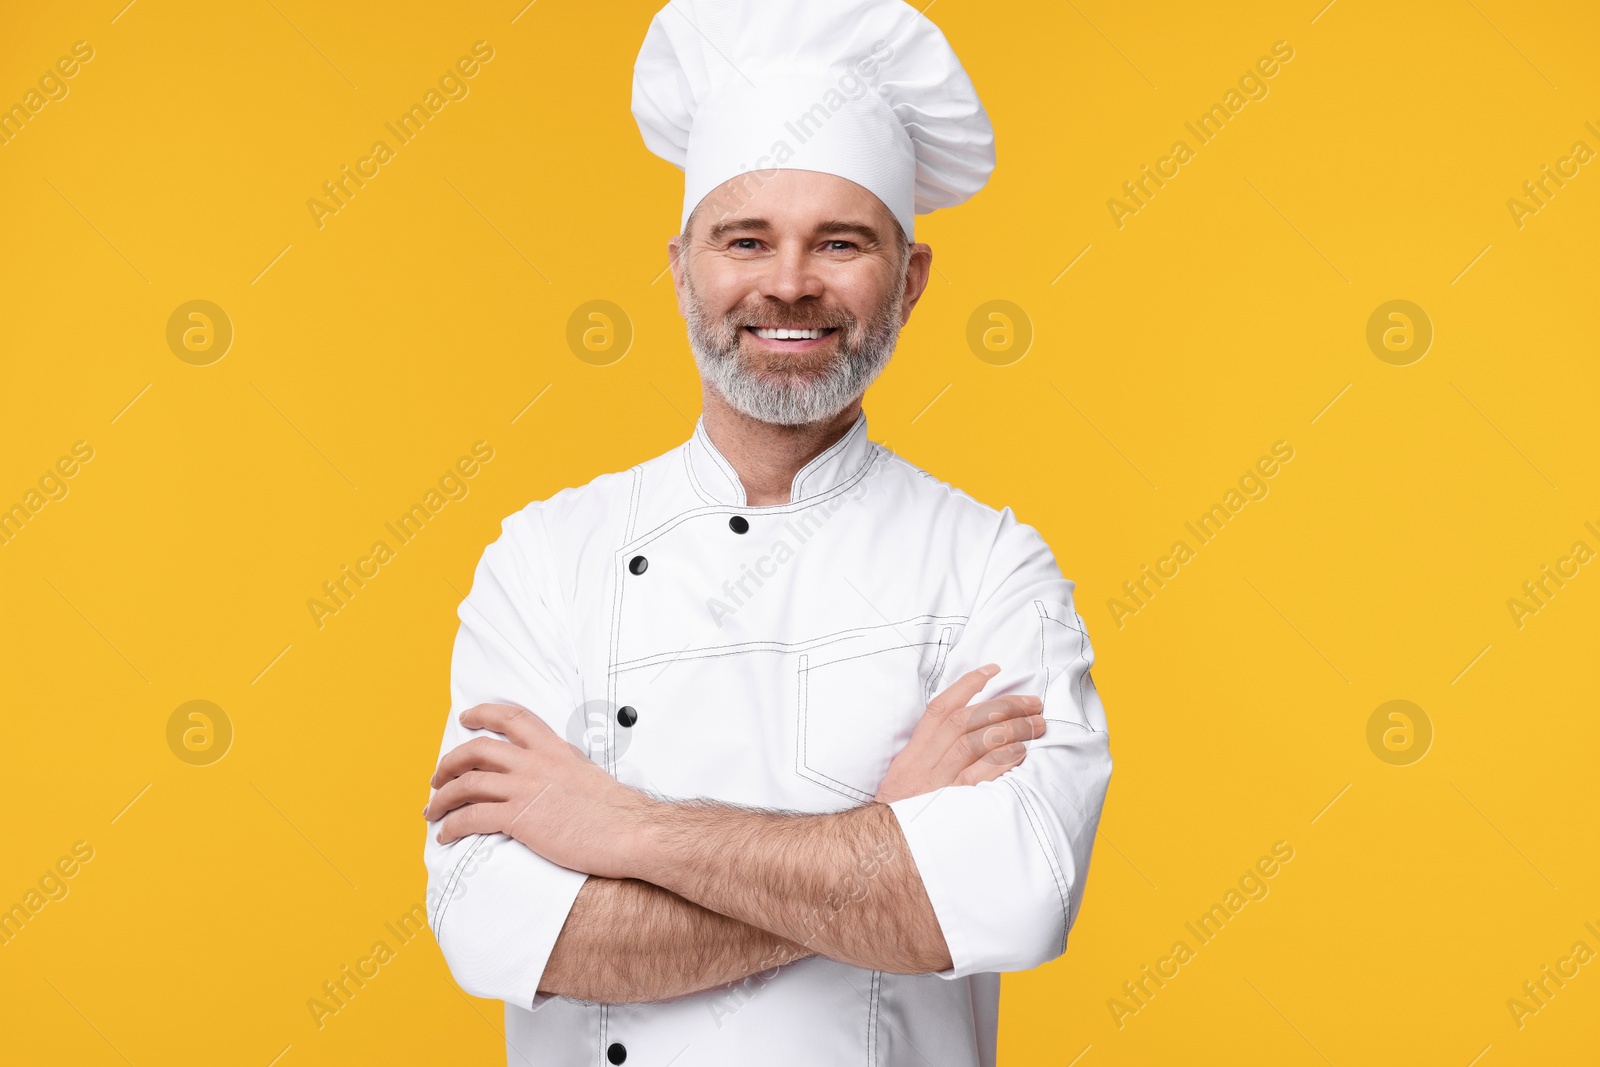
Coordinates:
792 200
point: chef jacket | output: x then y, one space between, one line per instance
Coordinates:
778 656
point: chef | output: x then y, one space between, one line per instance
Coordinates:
774 748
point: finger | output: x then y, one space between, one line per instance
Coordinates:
962 690
993 765
998 710
481 753
981 744
517 724
472 787
472 819
1028 728
991 743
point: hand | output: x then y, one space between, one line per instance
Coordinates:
537 788
958 744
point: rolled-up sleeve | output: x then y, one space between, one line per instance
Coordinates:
1004 861
496 907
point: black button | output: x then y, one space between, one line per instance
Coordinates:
616 1053
739 524
637 565
626 715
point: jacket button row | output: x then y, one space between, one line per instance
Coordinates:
626 715
616 1053
738 524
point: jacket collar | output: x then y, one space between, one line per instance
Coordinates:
718 481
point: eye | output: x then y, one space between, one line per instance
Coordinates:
746 244
841 246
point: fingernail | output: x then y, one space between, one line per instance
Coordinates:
991 668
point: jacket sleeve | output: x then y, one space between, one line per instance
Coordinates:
495 906
1004 861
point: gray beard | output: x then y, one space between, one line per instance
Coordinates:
761 388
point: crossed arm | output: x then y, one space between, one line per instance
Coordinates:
690 895
632 940
627 941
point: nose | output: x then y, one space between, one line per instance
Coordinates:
790 276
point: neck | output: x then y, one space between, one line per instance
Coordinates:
767 456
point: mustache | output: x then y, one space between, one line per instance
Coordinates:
790 317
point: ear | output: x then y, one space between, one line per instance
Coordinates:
677 264
918 270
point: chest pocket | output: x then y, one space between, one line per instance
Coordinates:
860 694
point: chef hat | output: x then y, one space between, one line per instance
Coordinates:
868 90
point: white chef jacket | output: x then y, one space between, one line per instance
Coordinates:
779 667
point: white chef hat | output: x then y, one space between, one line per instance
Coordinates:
868 90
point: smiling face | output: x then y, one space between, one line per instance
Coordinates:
795 299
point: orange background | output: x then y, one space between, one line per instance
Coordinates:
1228 313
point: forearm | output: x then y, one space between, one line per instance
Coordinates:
627 941
842 884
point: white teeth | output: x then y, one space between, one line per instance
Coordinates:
782 334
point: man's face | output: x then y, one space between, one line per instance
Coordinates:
795 298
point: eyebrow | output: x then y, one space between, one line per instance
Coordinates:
860 229
722 229
831 226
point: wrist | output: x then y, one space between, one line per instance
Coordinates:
642 853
